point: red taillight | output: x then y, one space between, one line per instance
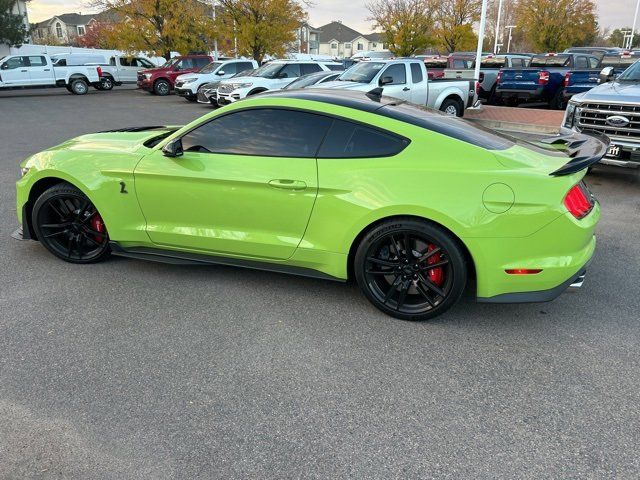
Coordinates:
577 202
477 88
543 77
567 79
99 70
499 77
523 271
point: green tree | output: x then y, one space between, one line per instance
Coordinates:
616 37
261 27
407 25
12 28
553 25
454 23
158 27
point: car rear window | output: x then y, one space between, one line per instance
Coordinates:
550 61
617 61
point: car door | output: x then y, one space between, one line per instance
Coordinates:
419 90
127 69
15 71
39 70
398 88
245 184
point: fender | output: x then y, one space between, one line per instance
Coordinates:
447 92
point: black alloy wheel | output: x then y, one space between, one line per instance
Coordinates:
161 87
410 269
69 226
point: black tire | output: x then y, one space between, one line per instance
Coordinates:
557 102
79 86
161 87
69 226
451 107
106 83
406 284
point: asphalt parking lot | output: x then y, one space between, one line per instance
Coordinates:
129 369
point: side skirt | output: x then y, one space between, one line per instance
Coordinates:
186 258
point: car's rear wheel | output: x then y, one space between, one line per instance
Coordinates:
410 269
161 87
69 225
79 86
451 107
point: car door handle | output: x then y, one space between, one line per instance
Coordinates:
47 69
406 89
24 71
288 184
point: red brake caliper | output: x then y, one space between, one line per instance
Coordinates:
436 275
98 225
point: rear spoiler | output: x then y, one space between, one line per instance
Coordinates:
584 149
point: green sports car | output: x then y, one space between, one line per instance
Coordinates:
410 203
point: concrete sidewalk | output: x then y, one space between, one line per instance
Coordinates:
514 119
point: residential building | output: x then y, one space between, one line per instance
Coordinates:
338 40
62 29
307 40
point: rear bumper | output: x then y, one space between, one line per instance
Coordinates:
533 94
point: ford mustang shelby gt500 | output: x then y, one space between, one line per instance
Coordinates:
408 202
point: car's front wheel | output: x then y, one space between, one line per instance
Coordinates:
106 83
161 87
410 269
69 225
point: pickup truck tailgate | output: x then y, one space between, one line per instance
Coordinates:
581 80
519 79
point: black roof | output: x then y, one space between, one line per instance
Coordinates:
389 107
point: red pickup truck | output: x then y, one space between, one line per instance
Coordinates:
161 80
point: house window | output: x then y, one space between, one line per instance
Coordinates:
374 45
80 30
347 45
360 46
334 46
59 30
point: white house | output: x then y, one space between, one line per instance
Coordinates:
338 40
64 28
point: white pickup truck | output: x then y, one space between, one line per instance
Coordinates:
406 79
117 71
37 71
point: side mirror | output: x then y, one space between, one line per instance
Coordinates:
173 148
220 72
606 75
4 66
385 81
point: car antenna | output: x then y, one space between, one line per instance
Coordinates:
375 94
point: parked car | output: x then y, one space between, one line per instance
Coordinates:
542 80
407 79
578 81
117 71
317 78
435 64
271 76
596 51
187 85
490 66
24 71
410 203
612 108
208 93
161 80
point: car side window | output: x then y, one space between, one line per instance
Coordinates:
185 64
112 61
291 133
229 68
416 73
397 72
14 62
37 61
352 140
125 62
593 62
242 66
310 68
291 70
201 62
581 62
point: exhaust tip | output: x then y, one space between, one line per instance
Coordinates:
579 280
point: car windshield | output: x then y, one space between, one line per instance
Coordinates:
631 74
270 70
210 67
550 61
361 72
492 62
617 61
170 62
306 80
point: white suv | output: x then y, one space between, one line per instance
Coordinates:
187 85
272 76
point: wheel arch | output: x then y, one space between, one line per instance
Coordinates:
257 90
452 93
78 76
358 238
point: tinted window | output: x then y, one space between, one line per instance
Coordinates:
335 68
200 62
351 140
550 61
308 68
125 62
261 132
229 68
397 72
242 66
291 70
185 64
581 62
60 62
112 61
416 73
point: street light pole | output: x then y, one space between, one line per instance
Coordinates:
510 27
633 29
215 40
495 43
483 22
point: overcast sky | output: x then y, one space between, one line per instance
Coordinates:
612 13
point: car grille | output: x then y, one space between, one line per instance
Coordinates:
593 116
226 88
